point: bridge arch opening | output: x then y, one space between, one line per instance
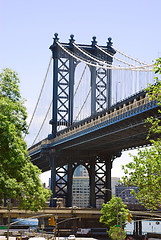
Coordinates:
80 187
82 92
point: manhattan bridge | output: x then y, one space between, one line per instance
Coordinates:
92 106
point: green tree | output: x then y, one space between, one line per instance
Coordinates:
109 216
115 233
145 169
19 178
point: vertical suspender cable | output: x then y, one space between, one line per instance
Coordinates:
40 94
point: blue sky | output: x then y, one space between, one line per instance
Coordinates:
27 29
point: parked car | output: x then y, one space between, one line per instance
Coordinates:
71 237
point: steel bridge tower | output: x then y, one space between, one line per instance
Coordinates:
98 165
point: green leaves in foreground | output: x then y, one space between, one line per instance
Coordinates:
116 233
145 172
145 169
19 178
109 217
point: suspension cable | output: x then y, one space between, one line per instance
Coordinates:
129 56
51 105
42 124
40 93
80 80
145 65
81 59
102 62
88 55
83 105
139 68
43 121
119 60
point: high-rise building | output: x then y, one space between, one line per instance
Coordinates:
124 192
80 171
80 191
114 182
80 187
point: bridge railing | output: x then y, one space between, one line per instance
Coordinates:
105 117
119 111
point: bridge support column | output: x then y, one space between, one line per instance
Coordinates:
108 164
71 89
93 90
92 184
53 121
69 186
109 90
53 180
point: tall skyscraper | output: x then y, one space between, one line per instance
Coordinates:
80 171
80 187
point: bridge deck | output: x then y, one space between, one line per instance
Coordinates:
69 212
121 127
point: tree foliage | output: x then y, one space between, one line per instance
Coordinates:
109 211
109 216
116 233
19 178
145 170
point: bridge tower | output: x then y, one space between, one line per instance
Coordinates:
98 166
64 66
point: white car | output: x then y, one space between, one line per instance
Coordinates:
71 237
